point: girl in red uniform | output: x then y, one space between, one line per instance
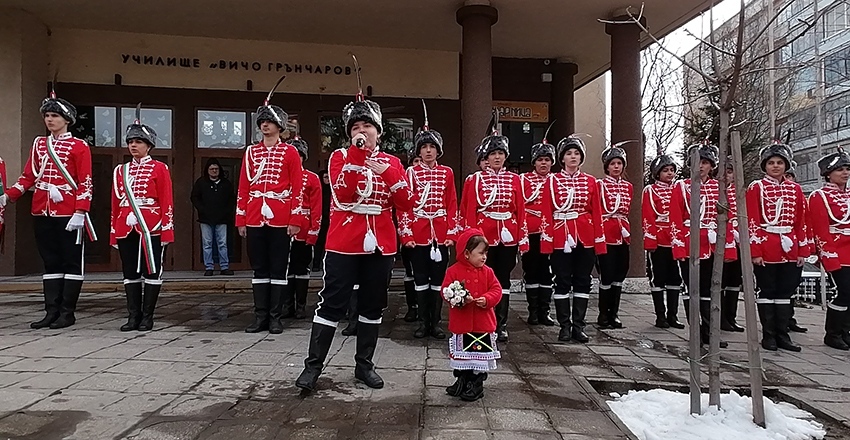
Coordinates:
829 218
472 346
616 195
658 241
777 211
572 234
142 223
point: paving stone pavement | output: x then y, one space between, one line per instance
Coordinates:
199 376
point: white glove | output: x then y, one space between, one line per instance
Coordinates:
78 220
4 199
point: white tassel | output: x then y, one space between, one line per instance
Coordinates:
736 235
567 248
132 220
787 244
436 255
507 237
370 243
625 232
266 211
571 242
55 195
712 236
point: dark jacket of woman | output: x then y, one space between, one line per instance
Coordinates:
214 200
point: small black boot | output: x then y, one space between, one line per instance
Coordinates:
792 323
767 316
544 301
70 295
502 310
149 305
351 328
729 311
783 315
474 388
301 286
835 321
660 309
532 296
461 377
321 338
281 297
410 296
367 341
287 298
562 313
673 309
436 315
603 321
52 301
579 313
614 307
424 315
261 308
133 292
705 323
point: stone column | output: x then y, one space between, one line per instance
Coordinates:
626 124
562 102
476 81
24 75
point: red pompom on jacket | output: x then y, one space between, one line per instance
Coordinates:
616 197
42 172
152 191
270 186
655 212
573 213
311 208
777 216
680 220
480 282
434 216
493 202
532 192
361 218
829 218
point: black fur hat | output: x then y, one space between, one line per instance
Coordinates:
272 113
792 171
544 148
571 142
706 151
614 152
300 146
427 136
659 163
59 106
776 149
137 130
833 161
493 141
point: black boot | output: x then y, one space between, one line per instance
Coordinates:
351 328
410 296
367 340
52 300
261 308
614 307
149 305
686 305
705 323
462 377
562 313
70 295
134 306
792 323
729 311
544 301
783 315
532 296
502 310
424 312
767 316
281 298
321 338
436 315
603 321
301 286
673 309
474 388
834 327
579 313
660 309
287 300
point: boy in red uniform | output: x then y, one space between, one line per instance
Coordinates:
472 346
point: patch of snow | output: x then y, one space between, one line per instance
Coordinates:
661 414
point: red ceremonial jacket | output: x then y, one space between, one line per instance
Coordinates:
3 189
42 173
680 220
829 218
777 216
434 216
532 191
616 196
655 211
311 208
151 186
479 281
493 202
573 213
362 202
270 177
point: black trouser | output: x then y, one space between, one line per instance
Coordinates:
841 279
502 259
705 274
572 279
370 271
58 248
664 275
268 252
133 267
776 281
537 274
300 257
427 273
613 266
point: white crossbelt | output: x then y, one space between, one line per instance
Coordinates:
502 216
141 201
367 209
569 215
270 194
429 215
709 225
777 229
46 186
841 231
534 213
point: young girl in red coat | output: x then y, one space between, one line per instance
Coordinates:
472 346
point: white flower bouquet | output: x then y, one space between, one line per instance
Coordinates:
456 294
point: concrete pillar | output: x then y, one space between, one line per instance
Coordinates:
626 123
24 72
476 78
562 103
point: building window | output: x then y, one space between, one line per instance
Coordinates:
221 129
158 119
97 126
834 21
396 139
292 128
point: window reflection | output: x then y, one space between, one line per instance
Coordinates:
158 119
96 125
221 129
396 139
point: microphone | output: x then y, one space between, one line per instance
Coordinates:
360 140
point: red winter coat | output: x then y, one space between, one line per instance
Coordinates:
311 209
479 281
